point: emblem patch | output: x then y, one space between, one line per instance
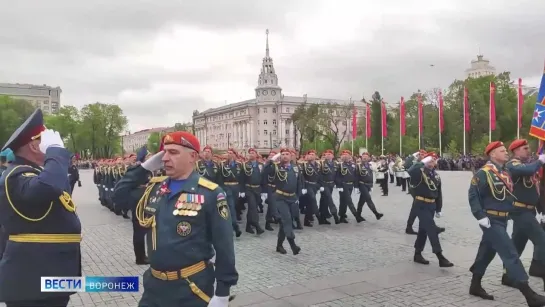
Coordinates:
474 180
183 229
223 209
221 196
29 175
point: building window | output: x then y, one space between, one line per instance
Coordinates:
274 132
258 121
265 122
287 110
266 143
274 110
265 132
257 132
258 143
264 110
287 132
274 122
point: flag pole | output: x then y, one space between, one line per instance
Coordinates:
518 110
464 121
439 119
353 114
366 128
400 130
382 128
490 114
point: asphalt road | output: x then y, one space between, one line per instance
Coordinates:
368 264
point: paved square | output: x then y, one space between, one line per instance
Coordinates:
368 264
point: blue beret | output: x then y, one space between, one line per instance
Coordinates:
10 156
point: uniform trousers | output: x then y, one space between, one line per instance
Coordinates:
412 214
346 201
426 227
138 238
272 211
285 207
365 197
526 227
496 240
253 196
231 195
311 203
327 206
61 301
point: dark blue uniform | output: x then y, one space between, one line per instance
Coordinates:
328 171
312 177
409 161
344 179
230 180
38 216
209 169
188 220
364 182
525 225
428 200
252 184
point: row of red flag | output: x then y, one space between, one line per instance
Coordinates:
466 113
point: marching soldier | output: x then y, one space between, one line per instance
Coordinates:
252 180
311 171
382 171
38 216
73 175
271 216
207 167
428 200
364 183
288 184
296 206
230 182
344 180
196 211
413 213
96 180
526 193
328 171
491 200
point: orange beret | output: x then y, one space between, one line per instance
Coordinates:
252 150
430 154
328 151
207 147
283 150
346 152
182 138
517 143
273 152
312 151
492 146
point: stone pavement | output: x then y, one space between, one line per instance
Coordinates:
368 264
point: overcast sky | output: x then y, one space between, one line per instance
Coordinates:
159 60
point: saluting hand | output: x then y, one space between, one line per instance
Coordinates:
154 163
50 138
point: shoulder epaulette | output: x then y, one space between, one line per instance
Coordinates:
207 184
158 179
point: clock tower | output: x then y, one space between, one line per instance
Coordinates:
267 89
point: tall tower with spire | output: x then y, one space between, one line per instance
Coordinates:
267 89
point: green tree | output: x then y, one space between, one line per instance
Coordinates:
13 112
68 123
154 142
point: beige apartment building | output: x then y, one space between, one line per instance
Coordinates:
134 141
42 96
262 122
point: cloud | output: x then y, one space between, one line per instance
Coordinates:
161 60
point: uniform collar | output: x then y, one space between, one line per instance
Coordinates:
190 185
23 161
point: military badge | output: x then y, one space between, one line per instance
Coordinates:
168 139
183 229
221 196
474 180
164 189
223 209
295 169
260 166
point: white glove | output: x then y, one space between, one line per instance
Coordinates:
304 191
242 195
263 196
340 189
427 160
154 163
416 154
542 158
219 301
321 189
275 157
50 138
485 222
539 217
438 214
213 260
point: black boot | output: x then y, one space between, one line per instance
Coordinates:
536 269
259 230
532 299
298 223
307 223
343 220
268 226
294 248
379 216
418 258
507 282
279 248
323 221
336 218
359 219
249 229
238 233
409 230
440 230
443 262
476 289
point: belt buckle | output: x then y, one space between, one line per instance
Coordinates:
163 275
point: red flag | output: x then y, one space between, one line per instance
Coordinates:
441 119
492 115
420 114
520 103
354 122
402 119
467 124
367 120
384 118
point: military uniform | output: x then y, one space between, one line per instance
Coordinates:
38 215
328 172
344 179
267 177
491 201
188 219
252 181
312 177
409 161
230 179
364 182
428 200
